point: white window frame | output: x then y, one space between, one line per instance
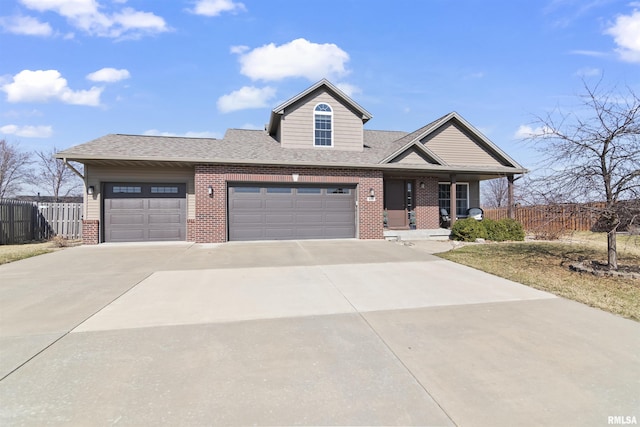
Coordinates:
322 113
464 215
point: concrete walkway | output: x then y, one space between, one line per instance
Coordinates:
300 333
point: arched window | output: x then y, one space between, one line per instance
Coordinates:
323 126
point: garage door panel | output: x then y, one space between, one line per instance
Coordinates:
246 203
125 235
175 219
246 218
126 219
164 203
337 202
337 232
280 218
280 213
164 234
115 204
308 219
279 233
340 218
309 204
310 233
277 203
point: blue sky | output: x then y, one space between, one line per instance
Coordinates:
75 70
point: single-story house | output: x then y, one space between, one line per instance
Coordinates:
313 172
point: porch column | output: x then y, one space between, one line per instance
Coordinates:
452 193
510 181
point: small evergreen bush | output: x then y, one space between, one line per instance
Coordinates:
468 230
515 231
497 231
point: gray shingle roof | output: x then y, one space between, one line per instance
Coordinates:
241 146
238 145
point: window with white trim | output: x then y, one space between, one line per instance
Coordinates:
462 197
323 125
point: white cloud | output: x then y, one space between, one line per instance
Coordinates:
298 58
593 53
588 72
25 25
87 16
626 34
27 131
526 131
46 85
349 89
239 49
217 7
109 75
190 134
251 126
246 97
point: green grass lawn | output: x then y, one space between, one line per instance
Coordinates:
544 266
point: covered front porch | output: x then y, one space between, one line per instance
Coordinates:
418 202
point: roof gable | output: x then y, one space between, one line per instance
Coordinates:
324 84
451 140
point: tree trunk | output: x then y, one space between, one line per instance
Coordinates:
612 253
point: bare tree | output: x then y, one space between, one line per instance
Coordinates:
495 193
14 169
54 175
593 154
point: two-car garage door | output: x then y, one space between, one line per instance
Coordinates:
259 212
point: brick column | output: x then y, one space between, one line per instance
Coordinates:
427 210
210 224
90 232
371 219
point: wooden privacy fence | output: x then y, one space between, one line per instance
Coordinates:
22 221
551 218
64 218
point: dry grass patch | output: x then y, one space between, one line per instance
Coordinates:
544 266
10 253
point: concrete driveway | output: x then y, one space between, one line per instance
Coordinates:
300 333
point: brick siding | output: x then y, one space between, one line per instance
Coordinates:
90 231
426 203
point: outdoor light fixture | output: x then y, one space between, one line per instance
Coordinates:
372 193
422 184
210 191
90 190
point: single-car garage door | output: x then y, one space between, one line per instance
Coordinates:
136 212
259 212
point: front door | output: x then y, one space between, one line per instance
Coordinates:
395 198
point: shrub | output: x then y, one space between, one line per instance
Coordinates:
496 230
515 231
468 230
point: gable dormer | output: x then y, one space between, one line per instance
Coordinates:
322 117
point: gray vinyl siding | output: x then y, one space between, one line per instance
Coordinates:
455 147
297 125
411 157
96 175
